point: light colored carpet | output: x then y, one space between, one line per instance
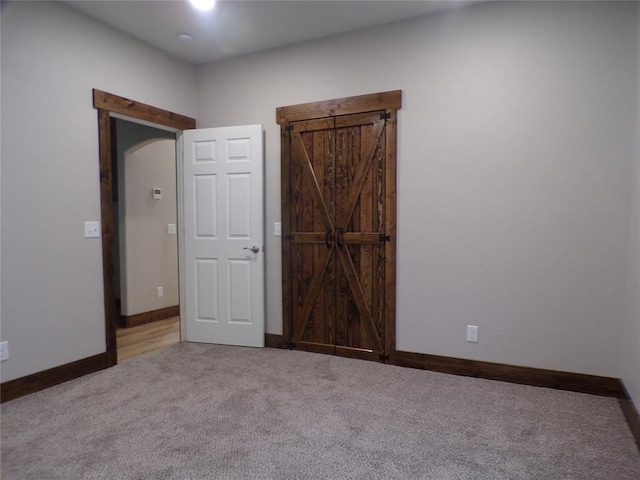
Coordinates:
195 411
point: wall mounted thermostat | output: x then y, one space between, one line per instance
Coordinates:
157 193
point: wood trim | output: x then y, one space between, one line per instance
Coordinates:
108 103
106 214
114 161
391 225
271 340
48 378
131 108
391 100
630 413
575 382
129 321
358 353
314 347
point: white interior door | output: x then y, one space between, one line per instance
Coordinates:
223 284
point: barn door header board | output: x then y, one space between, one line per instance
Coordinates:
339 225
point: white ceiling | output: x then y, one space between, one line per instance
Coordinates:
237 27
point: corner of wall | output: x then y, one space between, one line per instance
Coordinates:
630 367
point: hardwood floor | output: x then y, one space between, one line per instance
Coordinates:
146 338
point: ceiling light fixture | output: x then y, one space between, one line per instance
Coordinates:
185 36
203 5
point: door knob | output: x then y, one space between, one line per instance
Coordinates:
254 249
327 238
340 238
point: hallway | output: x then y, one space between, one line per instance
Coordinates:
146 338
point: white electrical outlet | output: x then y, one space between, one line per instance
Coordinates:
171 228
160 292
472 333
4 351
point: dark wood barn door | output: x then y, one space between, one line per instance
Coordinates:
338 173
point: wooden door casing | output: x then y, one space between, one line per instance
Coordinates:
338 206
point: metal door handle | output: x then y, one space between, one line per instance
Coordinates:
339 239
327 238
254 249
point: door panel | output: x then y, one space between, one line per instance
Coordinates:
311 220
206 305
360 206
239 205
223 220
205 194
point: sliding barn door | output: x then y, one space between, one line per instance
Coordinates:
311 235
360 197
338 224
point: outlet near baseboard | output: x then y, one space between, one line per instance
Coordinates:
472 333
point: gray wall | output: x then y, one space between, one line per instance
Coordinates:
516 143
630 365
630 371
52 57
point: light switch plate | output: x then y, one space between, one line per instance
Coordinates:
91 229
277 229
4 351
